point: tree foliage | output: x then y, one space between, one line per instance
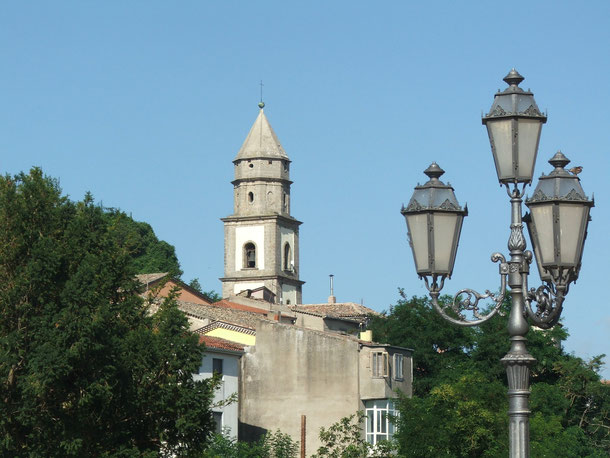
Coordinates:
84 369
437 347
460 403
271 445
344 439
148 254
211 295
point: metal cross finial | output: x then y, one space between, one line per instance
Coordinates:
261 104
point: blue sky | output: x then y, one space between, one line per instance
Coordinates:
146 103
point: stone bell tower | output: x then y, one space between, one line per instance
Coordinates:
261 238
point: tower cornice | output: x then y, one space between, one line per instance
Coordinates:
266 179
266 158
278 217
285 279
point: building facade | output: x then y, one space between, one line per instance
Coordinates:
222 357
261 236
294 371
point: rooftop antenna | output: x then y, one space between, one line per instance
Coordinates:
261 104
332 299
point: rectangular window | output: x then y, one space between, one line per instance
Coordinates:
217 366
379 417
217 416
379 364
399 367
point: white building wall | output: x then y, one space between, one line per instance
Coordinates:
228 386
239 287
289 293
254 234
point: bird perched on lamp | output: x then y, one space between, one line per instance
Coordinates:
575 170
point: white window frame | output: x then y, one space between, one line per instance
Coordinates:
399 366
380 364
378 425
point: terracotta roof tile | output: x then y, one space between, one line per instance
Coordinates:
235 306
342 309
221 344
228 315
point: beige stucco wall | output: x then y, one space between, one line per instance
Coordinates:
293 372
384 387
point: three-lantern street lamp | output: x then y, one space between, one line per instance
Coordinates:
557 224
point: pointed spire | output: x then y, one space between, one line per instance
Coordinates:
261 141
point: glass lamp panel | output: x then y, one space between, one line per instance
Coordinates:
544 275
500 132
571 219
542 219
417 224
529 134
440 196
444 238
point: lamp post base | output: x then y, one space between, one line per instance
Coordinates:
518 373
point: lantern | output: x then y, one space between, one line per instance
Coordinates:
434 222
557 223
513 124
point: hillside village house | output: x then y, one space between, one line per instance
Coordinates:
282 358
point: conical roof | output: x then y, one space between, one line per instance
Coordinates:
261 141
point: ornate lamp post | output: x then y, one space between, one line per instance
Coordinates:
557 225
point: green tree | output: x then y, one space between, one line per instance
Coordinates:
212 295
464 417
438 347
344 439
148 254
270 445
84 369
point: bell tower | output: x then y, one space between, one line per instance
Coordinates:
261 238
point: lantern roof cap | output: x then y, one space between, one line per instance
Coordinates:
559 161
560 184
434 194
434 171
514 101
513 78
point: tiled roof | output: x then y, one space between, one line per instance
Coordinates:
221 344
342 310
235 306
150 278
224 325
228 315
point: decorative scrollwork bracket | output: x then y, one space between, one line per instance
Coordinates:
548 298
468 299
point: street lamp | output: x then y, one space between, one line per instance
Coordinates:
557 224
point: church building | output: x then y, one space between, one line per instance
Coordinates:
261 237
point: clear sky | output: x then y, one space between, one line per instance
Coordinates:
146 103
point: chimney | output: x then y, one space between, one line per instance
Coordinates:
366 336
332 299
